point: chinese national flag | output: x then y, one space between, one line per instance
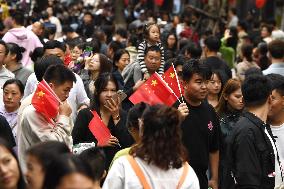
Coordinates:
45 101
99 130
154 91
171 79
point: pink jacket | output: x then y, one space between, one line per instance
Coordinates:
24 38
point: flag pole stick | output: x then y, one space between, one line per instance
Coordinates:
169 87
179 88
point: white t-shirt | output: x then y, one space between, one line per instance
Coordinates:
122 176
278 134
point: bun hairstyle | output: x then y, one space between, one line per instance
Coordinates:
17 50
147 28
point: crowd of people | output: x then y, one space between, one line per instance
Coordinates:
226 131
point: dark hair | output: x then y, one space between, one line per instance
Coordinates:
96 158
256 90
59 74
122 32
95 44
46 152
67 29
117 55
64 165
246 50
5 45
105 64
13 48
233 40
37 53
21 183
163 136
233 10
115 45
212 43
268 27
52 44
253 71
277 82
243 24
194 66
147 27
17 82
134 114
231 86
19 17
276 48
194 50
166 40
100 84
152 48
41 65
178 61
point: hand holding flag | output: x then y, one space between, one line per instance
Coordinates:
100 130
170 77
45 101
154 91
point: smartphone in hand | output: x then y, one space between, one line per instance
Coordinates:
119 95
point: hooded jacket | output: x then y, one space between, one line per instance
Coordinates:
24 38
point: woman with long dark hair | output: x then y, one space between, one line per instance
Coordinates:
11 176
95 65
160 154
229 109
106 104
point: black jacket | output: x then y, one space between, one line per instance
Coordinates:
227 124
250 154
82 134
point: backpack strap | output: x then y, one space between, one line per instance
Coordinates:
183 176
138 172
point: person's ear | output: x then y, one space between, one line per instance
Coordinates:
226 97
269 99
104 174
52 86
282 98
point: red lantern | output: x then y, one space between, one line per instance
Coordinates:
159 2
260 3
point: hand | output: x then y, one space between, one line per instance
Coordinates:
88 60
113 106
138 84
227 34
83 106
146 76
112 141
213 184
183 109
65 109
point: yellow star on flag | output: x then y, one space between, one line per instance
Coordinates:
154 83
172 75
40 94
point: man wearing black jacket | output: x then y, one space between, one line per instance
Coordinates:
251 152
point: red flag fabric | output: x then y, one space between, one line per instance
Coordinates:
260 3
154 91
99 129
45 101
172 80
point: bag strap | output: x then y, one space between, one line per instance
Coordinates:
138 172
183 176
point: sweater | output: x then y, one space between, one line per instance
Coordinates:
24 38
